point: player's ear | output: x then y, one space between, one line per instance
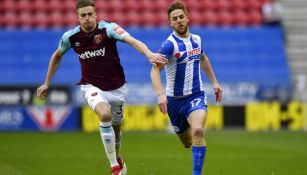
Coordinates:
169 20
170 23
77 13
95 12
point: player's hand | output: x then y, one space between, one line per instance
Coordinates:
42 91
218 92
157 58
162 103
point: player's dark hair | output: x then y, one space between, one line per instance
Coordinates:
176 5
85 3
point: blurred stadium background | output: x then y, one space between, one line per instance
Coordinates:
262 68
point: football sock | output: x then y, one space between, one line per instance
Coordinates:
108 139
199 153
118 143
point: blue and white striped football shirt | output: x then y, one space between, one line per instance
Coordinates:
183 71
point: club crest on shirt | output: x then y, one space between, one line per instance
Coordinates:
195 39
98 38
119 30
94 94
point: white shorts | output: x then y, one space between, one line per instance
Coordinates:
115 99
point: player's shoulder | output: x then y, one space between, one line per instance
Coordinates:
168 43
170 40
195 37
113 30
167 47
106 24
71 32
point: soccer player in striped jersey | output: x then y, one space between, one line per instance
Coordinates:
185 99
103 79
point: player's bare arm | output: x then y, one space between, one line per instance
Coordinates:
206 66
156 82
53 66
153 58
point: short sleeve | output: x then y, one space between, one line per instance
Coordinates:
115 31
167 49
65 44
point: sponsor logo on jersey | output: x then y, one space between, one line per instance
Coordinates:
91 54
194 52
98 38
119 30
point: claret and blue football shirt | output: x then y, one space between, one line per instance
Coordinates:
97 51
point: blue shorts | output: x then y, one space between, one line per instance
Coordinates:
179 109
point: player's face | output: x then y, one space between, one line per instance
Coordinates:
179 21
87 18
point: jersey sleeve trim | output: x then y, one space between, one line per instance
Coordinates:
65 44
113 30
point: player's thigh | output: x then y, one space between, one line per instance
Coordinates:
197 118
197 111
97 101
117 98
186 138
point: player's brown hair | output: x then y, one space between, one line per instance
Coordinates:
176 5
85 3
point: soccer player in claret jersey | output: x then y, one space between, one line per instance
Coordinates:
103 80
185 99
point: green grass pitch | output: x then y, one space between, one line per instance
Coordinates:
229 152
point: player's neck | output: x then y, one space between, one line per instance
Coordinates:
185 35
